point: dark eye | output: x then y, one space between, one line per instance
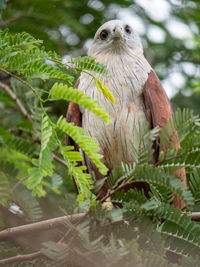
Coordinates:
127 29
104 35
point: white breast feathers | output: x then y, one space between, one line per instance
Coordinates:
128 76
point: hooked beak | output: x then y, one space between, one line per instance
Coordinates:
118 34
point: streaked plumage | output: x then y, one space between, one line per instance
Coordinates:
118 47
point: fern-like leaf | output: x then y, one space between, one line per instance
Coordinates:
184 122
182 234
86 143
60 91
143 150
46 132
194 183
183 158
21 53
156 176
29 205
19 40
43 166
4 189
89 63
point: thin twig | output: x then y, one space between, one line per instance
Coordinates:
25 113
21 80
16 99
14 18
38 226
19 258
19 182
173 157
67 64
48 224
121 186
69 231
61 161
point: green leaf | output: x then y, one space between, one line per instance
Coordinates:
155 176
83 179
60 91
89 63
43 166
86 143
4 189
104 90
46 132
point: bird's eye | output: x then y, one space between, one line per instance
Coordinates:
104 35
127 29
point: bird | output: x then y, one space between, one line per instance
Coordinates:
138 93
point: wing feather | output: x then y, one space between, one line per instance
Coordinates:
158 109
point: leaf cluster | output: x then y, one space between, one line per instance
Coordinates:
140 229
23 58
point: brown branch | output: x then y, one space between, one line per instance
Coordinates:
19 182
20 79
19 258
38 226
35 255
14 18
27 115
43 225
16 99
48 224
121 186
195 216
9 1
86 257
173 157
61 161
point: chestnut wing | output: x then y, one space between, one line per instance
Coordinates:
158 109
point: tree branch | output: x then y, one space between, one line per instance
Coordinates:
21 80
174 157
61 161
16 99
49 224
43 225
14 18
38 226
112 192
195 216
27 115
19 182
19 258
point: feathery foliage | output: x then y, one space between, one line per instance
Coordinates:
85 142
146 230
4 190
23 54
89 63
60 91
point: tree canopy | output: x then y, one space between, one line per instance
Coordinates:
43 47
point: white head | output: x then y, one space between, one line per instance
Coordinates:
115 36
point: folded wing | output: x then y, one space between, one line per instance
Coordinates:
158 112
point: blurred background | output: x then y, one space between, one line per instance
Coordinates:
170 34
169 31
